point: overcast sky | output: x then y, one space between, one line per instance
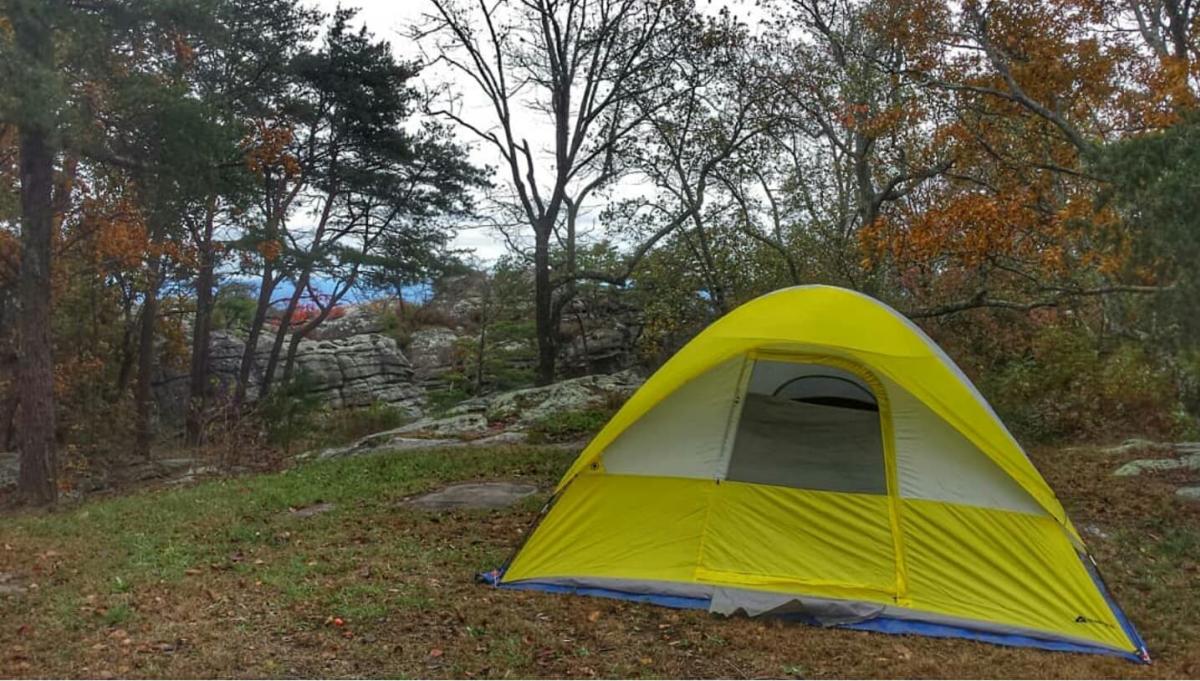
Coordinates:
391 20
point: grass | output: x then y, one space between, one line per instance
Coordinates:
568 425
221 580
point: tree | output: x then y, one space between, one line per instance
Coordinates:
1036 89
242 70
378 190
110 92
577 63
36 97
698 138
1152 186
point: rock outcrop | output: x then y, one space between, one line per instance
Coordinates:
434 353
604 349
523 407
495 419
357 320
1186 458
1188 493
352 361
352 371
459 299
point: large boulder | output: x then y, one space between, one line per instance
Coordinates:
457 300
606 349
491 420
359 371
527 406
598 335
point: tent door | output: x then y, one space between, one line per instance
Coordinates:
803 503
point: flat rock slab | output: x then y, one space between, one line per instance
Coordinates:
473 495
11 585
1188 493
309 511
1139 466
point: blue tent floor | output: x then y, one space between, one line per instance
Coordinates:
886 625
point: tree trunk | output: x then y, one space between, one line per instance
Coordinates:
201 333
8 421
266 288
285 326
312 324
38 479
543 312
289 364
142 394
481 348
126 367
302 280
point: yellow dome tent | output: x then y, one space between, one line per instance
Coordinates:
814 455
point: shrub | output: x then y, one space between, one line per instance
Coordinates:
288 411
441 400
1068 386
568 425
341 426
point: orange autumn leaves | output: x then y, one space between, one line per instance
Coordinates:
267 150
1020 192
111 232
972 230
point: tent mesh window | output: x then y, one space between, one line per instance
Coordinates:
811 427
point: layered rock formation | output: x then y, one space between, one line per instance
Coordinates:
352 371
352 360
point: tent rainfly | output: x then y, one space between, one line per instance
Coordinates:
814 455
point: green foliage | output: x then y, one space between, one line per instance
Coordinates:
118 614
288 411
508 356
667 292
233 307
442 399
495 350
1153 184
1067 386
568 426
